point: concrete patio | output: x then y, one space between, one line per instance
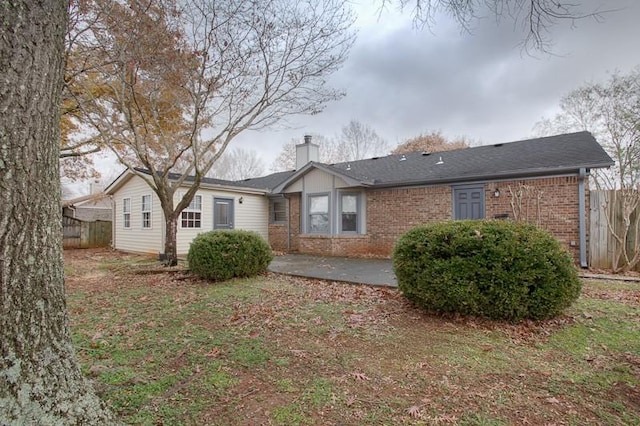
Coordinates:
377 272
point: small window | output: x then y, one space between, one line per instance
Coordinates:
126 212
146 211
278 211
349 213
318 214
192 215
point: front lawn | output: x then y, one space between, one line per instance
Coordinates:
164 348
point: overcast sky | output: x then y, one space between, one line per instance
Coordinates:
402 81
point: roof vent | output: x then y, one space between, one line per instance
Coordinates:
374 158
425 153
497 145
403 158
348 166
440 161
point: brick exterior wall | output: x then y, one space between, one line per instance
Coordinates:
278 236
279 232
392 212
550 203
294 221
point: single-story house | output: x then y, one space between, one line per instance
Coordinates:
91 207
360 208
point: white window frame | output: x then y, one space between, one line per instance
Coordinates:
126 213
147 211
309 214
358 212
192 208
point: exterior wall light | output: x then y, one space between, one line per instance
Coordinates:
496 193
241 200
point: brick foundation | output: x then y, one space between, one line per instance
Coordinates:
336 245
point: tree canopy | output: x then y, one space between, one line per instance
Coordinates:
611 112
433 141
167 85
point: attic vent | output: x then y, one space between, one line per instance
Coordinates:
425 153
403 158
497 145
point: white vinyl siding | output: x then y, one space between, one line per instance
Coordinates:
251 215
134 238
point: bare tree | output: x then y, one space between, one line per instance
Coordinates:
534 17
182 79
238 164
40 380
359 141
611 112
431 142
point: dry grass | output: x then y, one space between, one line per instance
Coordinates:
165 348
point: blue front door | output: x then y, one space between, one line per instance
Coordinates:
222 213
468 202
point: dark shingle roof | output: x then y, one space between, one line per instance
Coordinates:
547 155
532 157
266 182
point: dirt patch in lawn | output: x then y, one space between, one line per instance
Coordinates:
166 348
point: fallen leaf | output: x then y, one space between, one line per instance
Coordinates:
351 400
213 353
414 411
299 353
359 376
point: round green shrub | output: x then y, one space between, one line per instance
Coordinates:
495 269
224 254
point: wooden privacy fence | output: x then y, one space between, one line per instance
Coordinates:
602 244
77 233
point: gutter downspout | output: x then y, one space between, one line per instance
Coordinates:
288 204
113 221
581 218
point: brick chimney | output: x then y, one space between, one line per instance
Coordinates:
306 152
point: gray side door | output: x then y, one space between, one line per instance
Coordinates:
223 213
468 202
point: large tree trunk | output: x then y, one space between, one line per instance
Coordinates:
40 380
170 239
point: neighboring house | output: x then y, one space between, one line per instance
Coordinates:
89 208
360 208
